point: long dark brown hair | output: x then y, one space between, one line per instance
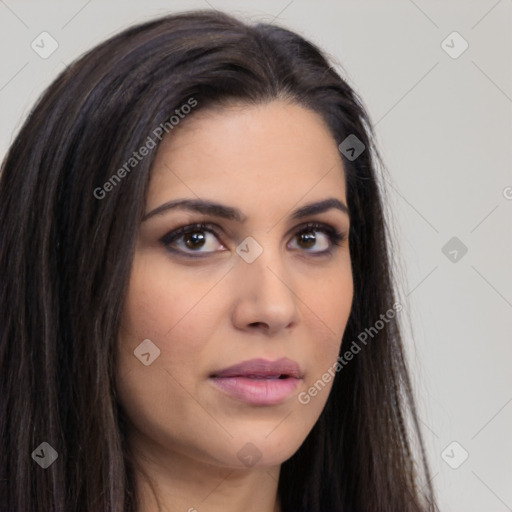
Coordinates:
65 259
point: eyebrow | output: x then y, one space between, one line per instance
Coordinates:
231 213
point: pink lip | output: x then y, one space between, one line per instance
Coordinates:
258 381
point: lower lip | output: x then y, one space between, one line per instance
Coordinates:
257 391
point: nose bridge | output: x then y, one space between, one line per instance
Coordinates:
262 262
263 284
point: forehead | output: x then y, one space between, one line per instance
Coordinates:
249 155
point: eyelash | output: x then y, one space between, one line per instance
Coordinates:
336 238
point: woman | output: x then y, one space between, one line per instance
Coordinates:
197 302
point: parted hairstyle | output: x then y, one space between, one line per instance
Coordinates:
66 249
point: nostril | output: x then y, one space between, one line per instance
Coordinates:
258 324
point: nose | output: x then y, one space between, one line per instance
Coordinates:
264 294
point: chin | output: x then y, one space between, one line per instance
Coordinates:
264 447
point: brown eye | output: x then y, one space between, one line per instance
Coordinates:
307 239
189 240
194 239
322 244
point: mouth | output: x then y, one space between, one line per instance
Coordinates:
258 381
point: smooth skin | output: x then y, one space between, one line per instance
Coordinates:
213 311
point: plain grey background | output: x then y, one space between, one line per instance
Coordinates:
444 125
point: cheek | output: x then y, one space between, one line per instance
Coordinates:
161 305
335 302
331 303
167 314
330 299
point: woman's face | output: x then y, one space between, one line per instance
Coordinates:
255 289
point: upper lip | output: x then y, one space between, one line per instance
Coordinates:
262 368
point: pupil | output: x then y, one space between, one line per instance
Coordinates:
197 237
309 239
